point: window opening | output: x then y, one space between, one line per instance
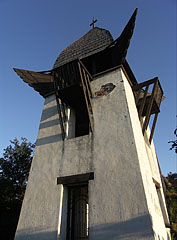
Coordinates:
72 88
82 124
78 210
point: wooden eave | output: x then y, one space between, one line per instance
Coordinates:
40 81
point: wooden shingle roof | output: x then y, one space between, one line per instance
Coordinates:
92 42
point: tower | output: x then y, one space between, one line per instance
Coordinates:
95 173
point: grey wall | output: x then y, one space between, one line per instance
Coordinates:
118 203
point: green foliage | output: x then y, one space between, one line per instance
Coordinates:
14 171
174 142
171 197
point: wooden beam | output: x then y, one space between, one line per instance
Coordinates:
143 102
143 84
88 77
148 113
88 80
85 95
58 106
74 179
137 96
157 184
88 90
153 127
85 69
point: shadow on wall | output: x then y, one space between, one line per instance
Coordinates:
50 123
36 233
48 140
48 113
135 228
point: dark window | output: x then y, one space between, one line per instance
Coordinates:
82 124
77 220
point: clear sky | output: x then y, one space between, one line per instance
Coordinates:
34 32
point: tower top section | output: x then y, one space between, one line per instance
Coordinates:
97 50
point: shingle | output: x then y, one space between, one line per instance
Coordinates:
92 42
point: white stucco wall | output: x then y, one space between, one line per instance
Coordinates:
149 168
123 203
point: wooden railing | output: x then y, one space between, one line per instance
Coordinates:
74 73
60 106
148 97
88 94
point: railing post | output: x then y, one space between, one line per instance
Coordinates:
85 90
148 113
58 105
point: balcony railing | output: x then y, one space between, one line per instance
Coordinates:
148 97
72 88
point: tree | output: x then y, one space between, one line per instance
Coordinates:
174 142
14 171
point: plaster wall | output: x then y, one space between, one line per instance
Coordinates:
122 196
149 168
156 174
40 209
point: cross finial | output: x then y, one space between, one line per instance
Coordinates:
93 22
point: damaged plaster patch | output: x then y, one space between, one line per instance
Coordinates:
105 89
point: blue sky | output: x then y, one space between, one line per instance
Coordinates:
34 32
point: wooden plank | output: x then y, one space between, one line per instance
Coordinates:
58 106
85 95
85 69
74 179
143 84
88 80
63 110
143 102
60 118
63 77
138 96
88 77
88 91
157 184
68 72
32 76
58 79
153 127
148 113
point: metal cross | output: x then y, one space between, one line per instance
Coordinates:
93 22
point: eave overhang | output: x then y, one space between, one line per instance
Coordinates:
40 81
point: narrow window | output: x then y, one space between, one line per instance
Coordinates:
77 222
82 124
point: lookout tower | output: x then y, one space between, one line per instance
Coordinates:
95 173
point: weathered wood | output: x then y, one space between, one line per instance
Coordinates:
85 69
63 110
157 184
148 113
88 80
74 179
153 127
85 95
58 106
88 91
143 102
137 96
143 84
